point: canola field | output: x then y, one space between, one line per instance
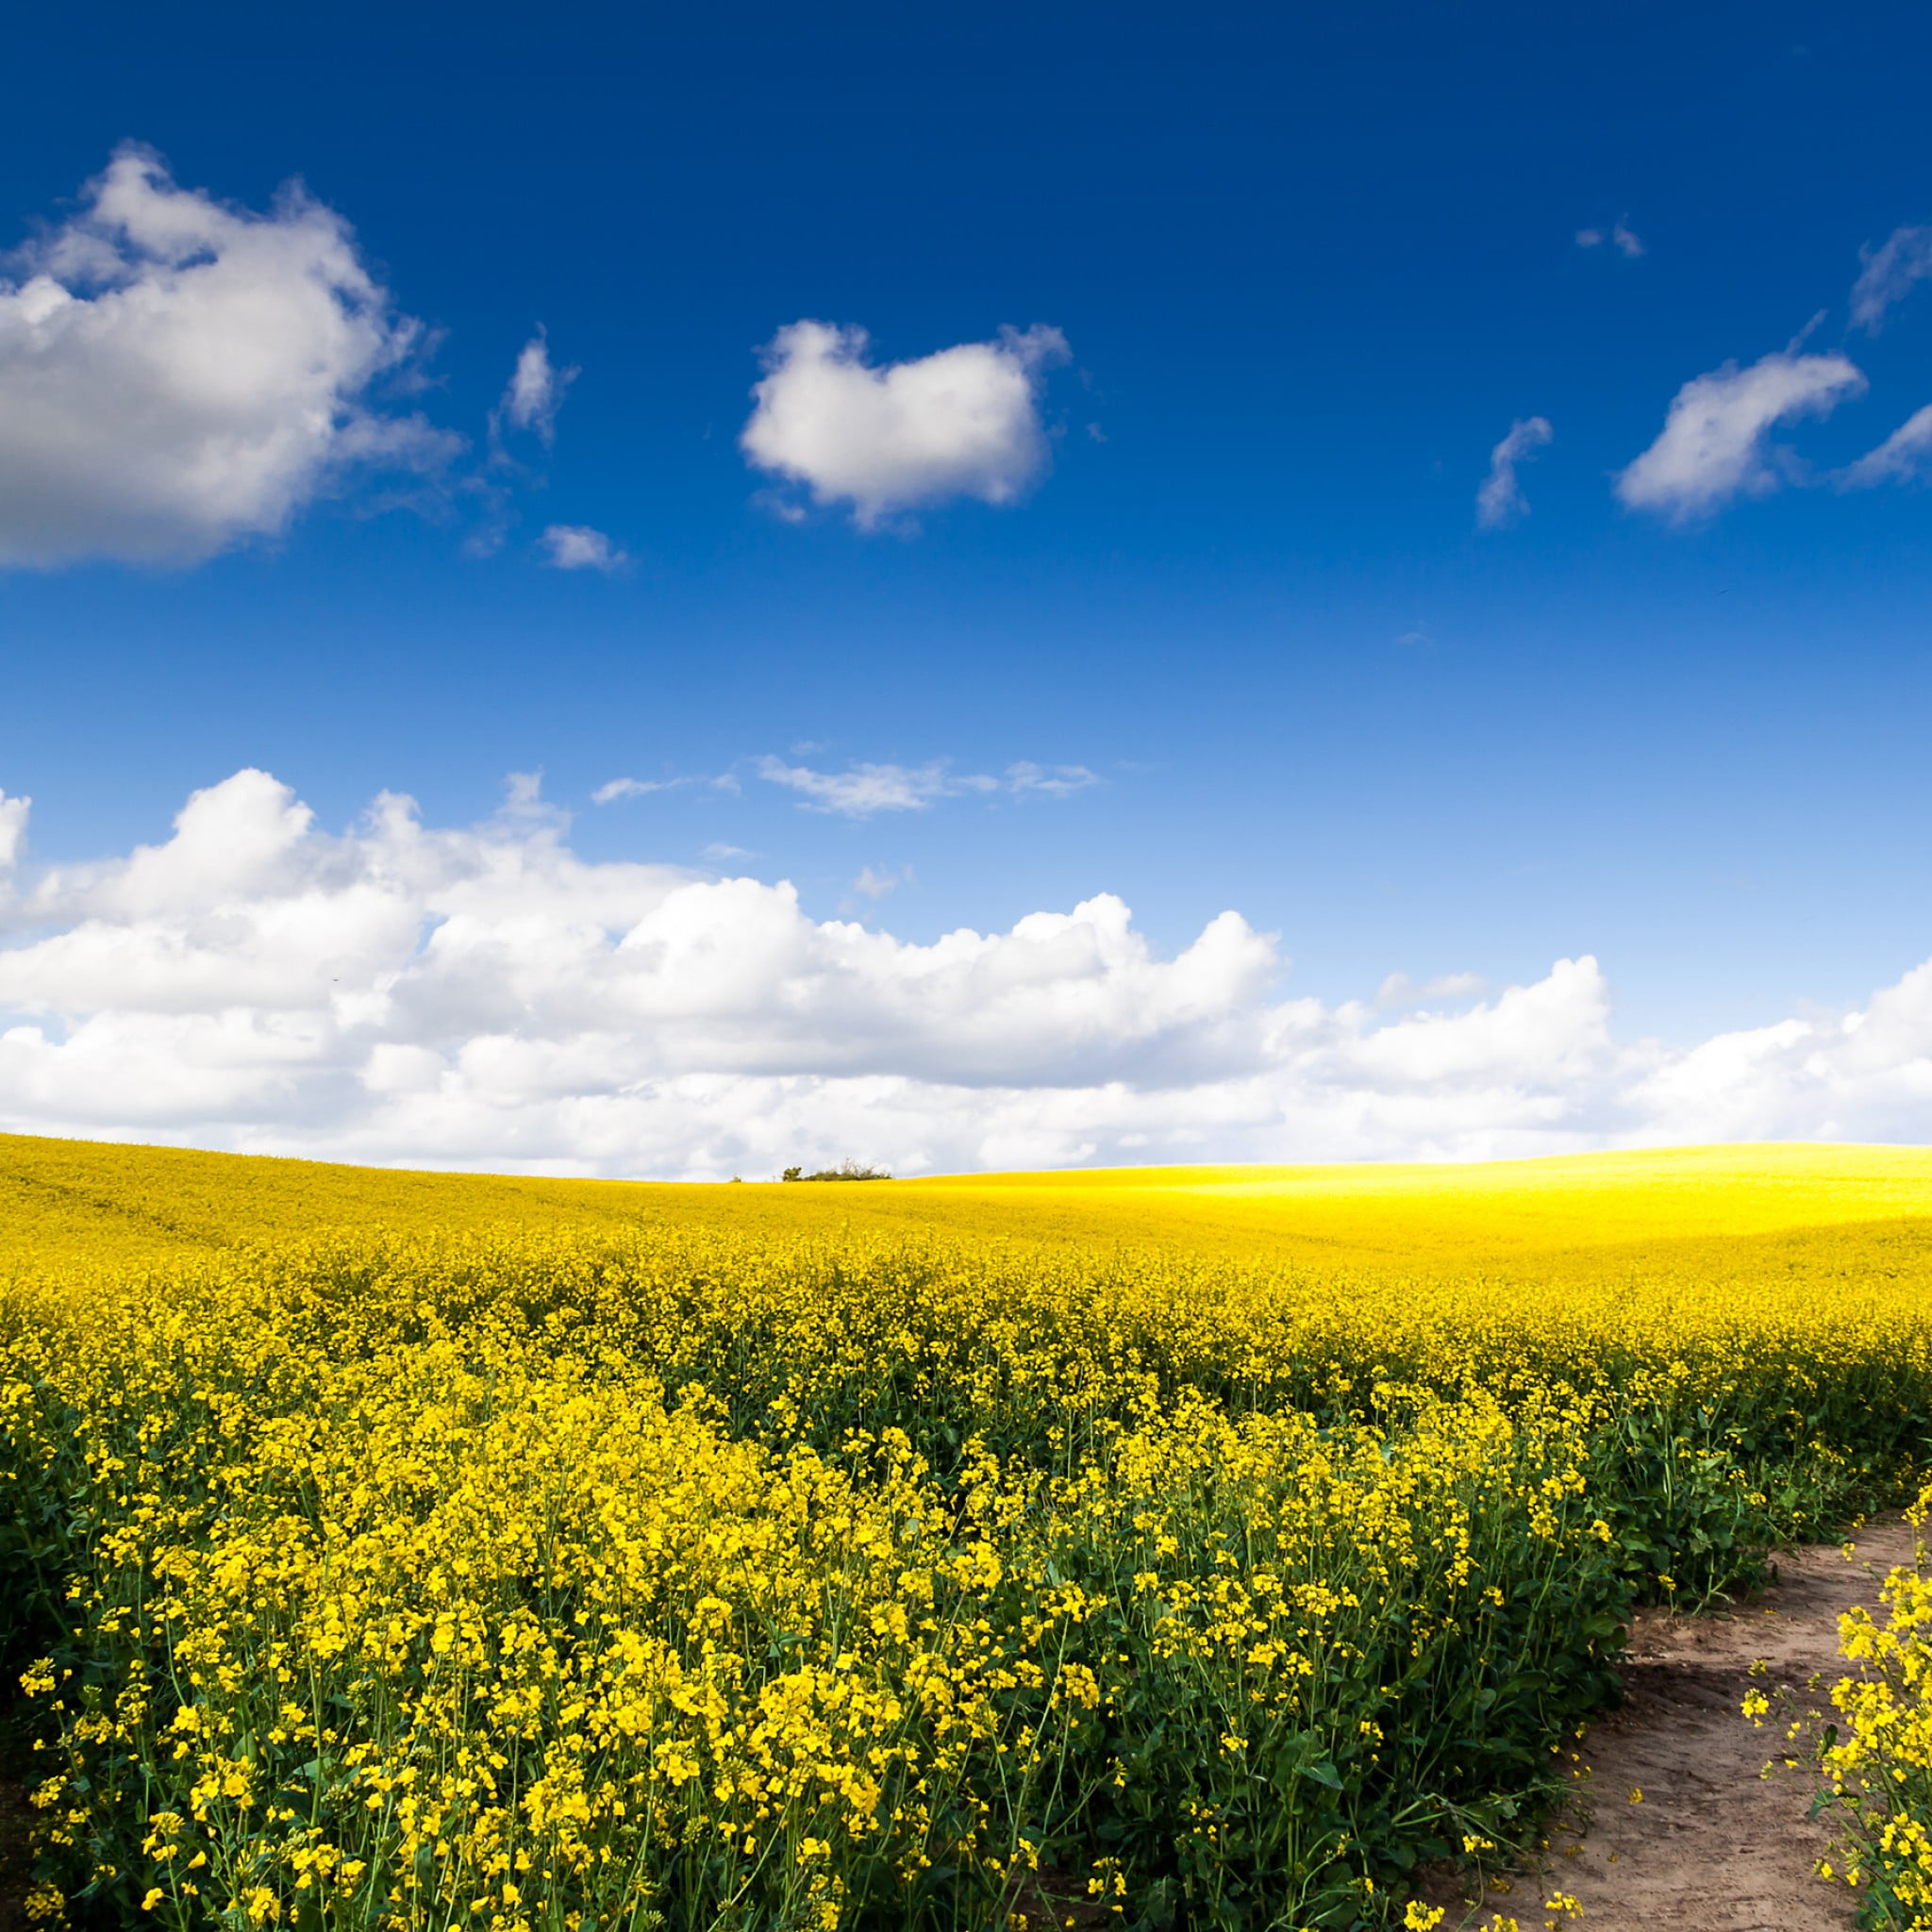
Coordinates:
1193 1549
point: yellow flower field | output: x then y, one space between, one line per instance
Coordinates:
1190 1548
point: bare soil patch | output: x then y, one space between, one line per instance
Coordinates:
1718 1842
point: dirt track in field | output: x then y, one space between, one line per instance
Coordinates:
1716 1844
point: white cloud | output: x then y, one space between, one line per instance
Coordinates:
963 421
1715 447
876 883
1889 271
176 375
14 813
483 997
1904 457
1621 236
1500 500
864 788
1049 781
536 389
576 547
634 788
1399 990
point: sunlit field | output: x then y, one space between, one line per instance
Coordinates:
1175 1548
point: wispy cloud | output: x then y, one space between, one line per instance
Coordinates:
1620 237
576 547
1890 270
634 788
875 883
536 391
1501 501
618 789
1715 443
1399 992
862 790
1049 781
1904 457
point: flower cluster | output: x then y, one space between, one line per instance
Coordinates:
1878 1761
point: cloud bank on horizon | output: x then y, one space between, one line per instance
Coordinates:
484 997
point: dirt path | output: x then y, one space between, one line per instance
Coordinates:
1713 1846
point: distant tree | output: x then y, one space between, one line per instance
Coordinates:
846 1170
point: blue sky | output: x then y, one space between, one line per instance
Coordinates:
1308 269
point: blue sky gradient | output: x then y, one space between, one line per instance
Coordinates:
1310 265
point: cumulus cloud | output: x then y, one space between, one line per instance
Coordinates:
482 996
536 389
576 547
1888 273
176 375
1715 443
1500 500
14 813
885 439
1620 237
1904 457
865 789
